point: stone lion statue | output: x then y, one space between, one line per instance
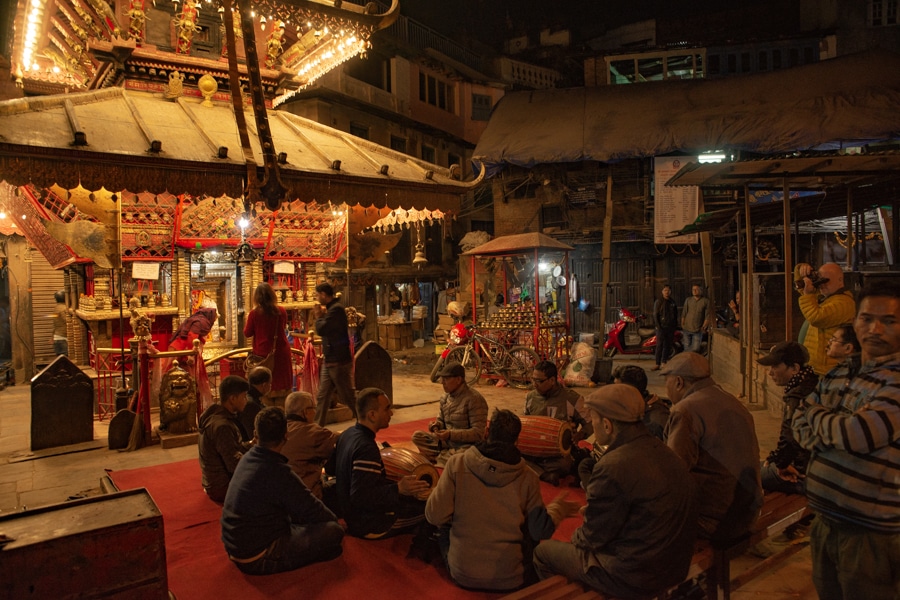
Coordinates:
177 401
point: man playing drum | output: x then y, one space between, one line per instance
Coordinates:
372 505
461 421
550 399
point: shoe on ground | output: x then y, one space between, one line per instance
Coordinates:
656 368
791 535
551 477
761 550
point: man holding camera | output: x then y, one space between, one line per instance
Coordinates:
826 305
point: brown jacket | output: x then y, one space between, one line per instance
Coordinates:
308 446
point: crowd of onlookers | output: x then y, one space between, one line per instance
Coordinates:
659 473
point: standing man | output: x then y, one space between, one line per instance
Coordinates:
785 467
694 319
825 304
714 435
220 441
492 503
665 320
851 425
337 364
640 521
372 505
270 521
60 339
461 420
550 399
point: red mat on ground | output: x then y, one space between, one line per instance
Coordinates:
199 568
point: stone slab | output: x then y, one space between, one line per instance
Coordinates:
62 406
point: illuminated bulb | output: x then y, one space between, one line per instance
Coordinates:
56 69
243 223
23 217
2 215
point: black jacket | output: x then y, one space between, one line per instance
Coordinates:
665 314
334 332
264 498
788 451
368 500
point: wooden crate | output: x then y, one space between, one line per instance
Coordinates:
395 336
109 546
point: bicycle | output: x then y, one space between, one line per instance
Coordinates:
472 349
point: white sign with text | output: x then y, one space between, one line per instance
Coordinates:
674 207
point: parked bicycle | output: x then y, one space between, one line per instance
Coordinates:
476 351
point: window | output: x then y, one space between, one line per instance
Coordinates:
398 143
882 12
436 93
453 159
428 153
360 131
481 107
486 226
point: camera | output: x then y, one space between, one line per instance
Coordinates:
814 277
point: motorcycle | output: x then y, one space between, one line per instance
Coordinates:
616 338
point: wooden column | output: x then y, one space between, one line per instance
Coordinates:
747 299
788 264
607 247
707 254
849 229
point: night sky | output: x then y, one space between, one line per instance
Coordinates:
492 21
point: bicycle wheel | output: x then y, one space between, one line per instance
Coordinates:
469 359
520 362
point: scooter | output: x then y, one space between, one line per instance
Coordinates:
615 341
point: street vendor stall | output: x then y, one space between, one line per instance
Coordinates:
520 283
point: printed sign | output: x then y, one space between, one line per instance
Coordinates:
674 207
284 267
145 270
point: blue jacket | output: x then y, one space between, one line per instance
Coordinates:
265 497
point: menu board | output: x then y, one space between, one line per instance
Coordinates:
674 207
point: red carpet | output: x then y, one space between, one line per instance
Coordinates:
198 567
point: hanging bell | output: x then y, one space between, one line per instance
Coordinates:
420 260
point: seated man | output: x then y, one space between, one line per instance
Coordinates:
715 436
656 415
492 502
550 399
270 521
640 521
372 505
843 344
220 441
461 421
656 411
260 379
308 445
785 467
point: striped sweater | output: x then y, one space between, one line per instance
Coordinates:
851 424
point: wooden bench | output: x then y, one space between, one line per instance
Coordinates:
555 588
778 512
712 562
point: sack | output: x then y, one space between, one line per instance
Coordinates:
255 360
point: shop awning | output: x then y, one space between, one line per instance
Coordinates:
513 243
800 173
845 101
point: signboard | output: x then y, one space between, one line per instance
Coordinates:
674 207
284 267
145 270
